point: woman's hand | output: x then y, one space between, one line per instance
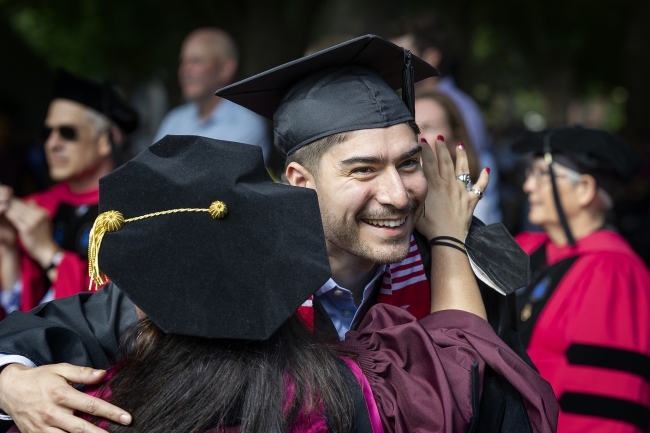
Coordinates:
449 205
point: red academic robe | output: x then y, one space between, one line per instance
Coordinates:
73 269
591 340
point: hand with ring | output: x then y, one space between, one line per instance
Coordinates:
449 209
464 177
449 204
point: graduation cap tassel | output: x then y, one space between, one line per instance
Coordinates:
548 158
408 83
110 221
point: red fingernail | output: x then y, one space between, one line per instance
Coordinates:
487 169
441 138
423 140
461 146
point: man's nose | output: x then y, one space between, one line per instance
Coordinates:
53 140
392 190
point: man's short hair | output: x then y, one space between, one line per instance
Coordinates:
309 156
221 42
100 122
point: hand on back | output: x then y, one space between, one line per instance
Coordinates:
42 399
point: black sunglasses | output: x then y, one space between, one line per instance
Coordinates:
66 132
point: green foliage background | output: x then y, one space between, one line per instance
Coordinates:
513 56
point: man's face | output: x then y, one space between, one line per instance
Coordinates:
539 189
73 147
199 72
371 189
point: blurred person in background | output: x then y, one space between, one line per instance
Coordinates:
426 37
208 61
585 316
44 238
437 115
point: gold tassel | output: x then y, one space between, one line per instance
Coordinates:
218 209
110 221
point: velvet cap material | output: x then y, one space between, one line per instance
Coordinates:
588 151
238 277
348 87
101 98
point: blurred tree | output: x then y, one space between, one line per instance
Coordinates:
561 49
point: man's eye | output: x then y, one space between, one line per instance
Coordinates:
410 163
362 170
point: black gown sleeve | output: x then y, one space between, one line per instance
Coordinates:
84 329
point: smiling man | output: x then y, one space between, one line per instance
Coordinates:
346 134
84 128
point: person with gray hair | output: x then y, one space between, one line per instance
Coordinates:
585 315
209 60
84 131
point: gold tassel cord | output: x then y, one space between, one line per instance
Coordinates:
112 221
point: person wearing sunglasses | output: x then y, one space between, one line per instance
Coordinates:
44 237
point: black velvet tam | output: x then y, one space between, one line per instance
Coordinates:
587 151
238 277
348 87
101 98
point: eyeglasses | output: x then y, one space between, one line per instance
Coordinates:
538 175
66 132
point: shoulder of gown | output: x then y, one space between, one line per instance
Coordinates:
420 371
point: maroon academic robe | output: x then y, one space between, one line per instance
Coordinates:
420 370
591 340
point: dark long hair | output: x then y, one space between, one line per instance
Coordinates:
188 384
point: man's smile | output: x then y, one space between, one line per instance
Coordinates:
385 222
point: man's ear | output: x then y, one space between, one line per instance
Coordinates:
104 141
587 189
298 175
432 56
228 70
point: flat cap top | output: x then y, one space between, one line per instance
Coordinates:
347 87
234 259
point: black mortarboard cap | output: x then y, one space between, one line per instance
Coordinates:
101 98
237 276
347 87
590 151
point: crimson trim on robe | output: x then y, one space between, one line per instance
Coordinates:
73 270
592 339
